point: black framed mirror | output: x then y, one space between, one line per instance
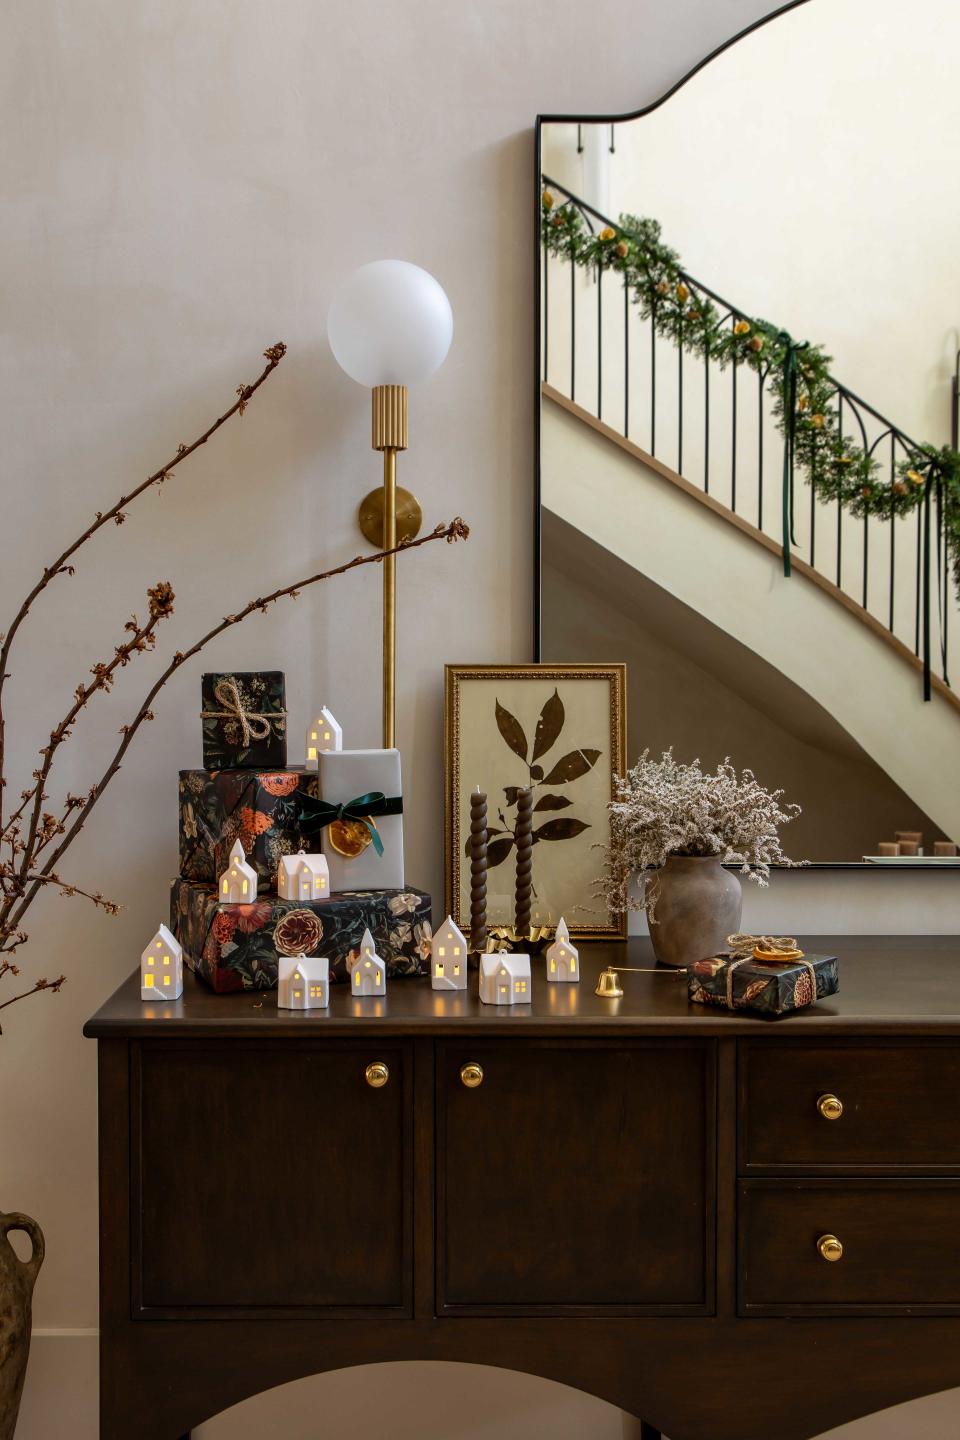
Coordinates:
748 485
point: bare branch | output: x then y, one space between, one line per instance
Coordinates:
117 513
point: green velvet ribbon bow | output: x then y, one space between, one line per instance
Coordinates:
790 376
316 815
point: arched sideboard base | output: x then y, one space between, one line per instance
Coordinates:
690 1379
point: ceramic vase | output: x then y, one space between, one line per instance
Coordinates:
17 1279
698 906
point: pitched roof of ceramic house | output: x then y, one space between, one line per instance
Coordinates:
164 935
516 966
292 863
451 926
311 967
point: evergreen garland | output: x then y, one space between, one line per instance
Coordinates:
836 467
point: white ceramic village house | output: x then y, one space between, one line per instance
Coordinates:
303 982
323 735
303 877
369 973
563 959
505 979
161 968
238 883
448 957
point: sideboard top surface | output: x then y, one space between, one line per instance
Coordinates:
888 984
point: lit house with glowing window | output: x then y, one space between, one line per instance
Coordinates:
563 959
303 877
238 883
505 979
369 973
323 734
303 982
161 968
448 958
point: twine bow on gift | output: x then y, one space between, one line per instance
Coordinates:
254 724
318 814
766 950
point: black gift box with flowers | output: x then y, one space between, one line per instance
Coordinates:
235 947
244 716
264 810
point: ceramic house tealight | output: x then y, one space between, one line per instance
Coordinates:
505 979
369 973
238 883
303 982
323 735
303 877
563 959
448 958
161 968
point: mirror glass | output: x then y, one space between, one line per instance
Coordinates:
749 490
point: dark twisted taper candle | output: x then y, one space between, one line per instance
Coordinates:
524 841
478 870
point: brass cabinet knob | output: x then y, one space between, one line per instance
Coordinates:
830 1107
830 1247
377 1074
471 1075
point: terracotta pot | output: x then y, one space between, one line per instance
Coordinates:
698 906
17 1279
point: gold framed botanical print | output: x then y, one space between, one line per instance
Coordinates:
561 730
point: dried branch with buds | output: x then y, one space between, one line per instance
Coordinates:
33 839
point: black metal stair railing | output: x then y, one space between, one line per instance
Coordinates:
901 578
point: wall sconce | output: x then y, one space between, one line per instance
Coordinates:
390 325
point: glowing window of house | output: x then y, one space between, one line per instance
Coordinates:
313 734
226 886
456 949
166 979
148 980
150 960
503 989
298 994
356 978
441 949
166 959
244 887
439 967
158 944
378 977
322 883
366 965
456 969
315 991
312 753
327 735
553 967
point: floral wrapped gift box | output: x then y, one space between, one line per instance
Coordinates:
235 947
769 990
244 720
261 809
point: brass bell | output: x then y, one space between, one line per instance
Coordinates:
608 986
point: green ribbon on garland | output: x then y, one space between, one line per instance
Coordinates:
790 374
316 815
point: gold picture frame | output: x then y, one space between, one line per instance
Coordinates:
499 722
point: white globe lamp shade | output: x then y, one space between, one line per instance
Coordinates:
390 323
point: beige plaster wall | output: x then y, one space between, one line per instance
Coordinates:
183 182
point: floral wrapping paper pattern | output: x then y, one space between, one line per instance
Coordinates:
227 743
235 947
769 990
260 809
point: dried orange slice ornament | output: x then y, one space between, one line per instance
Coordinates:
349 837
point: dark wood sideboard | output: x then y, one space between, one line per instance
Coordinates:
637 1199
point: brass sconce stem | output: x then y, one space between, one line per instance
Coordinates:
389 436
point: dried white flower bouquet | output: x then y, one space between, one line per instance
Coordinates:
665 808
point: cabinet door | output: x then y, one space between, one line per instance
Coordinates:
272 1178
575 1176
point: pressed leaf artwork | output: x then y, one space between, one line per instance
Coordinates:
556 730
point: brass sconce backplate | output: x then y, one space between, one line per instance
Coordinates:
409 516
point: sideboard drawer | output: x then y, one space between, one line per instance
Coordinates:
575 1176
897 1250
854 1106
271 1178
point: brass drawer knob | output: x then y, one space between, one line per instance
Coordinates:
377 1074
471 1075
830 1247
830 1107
